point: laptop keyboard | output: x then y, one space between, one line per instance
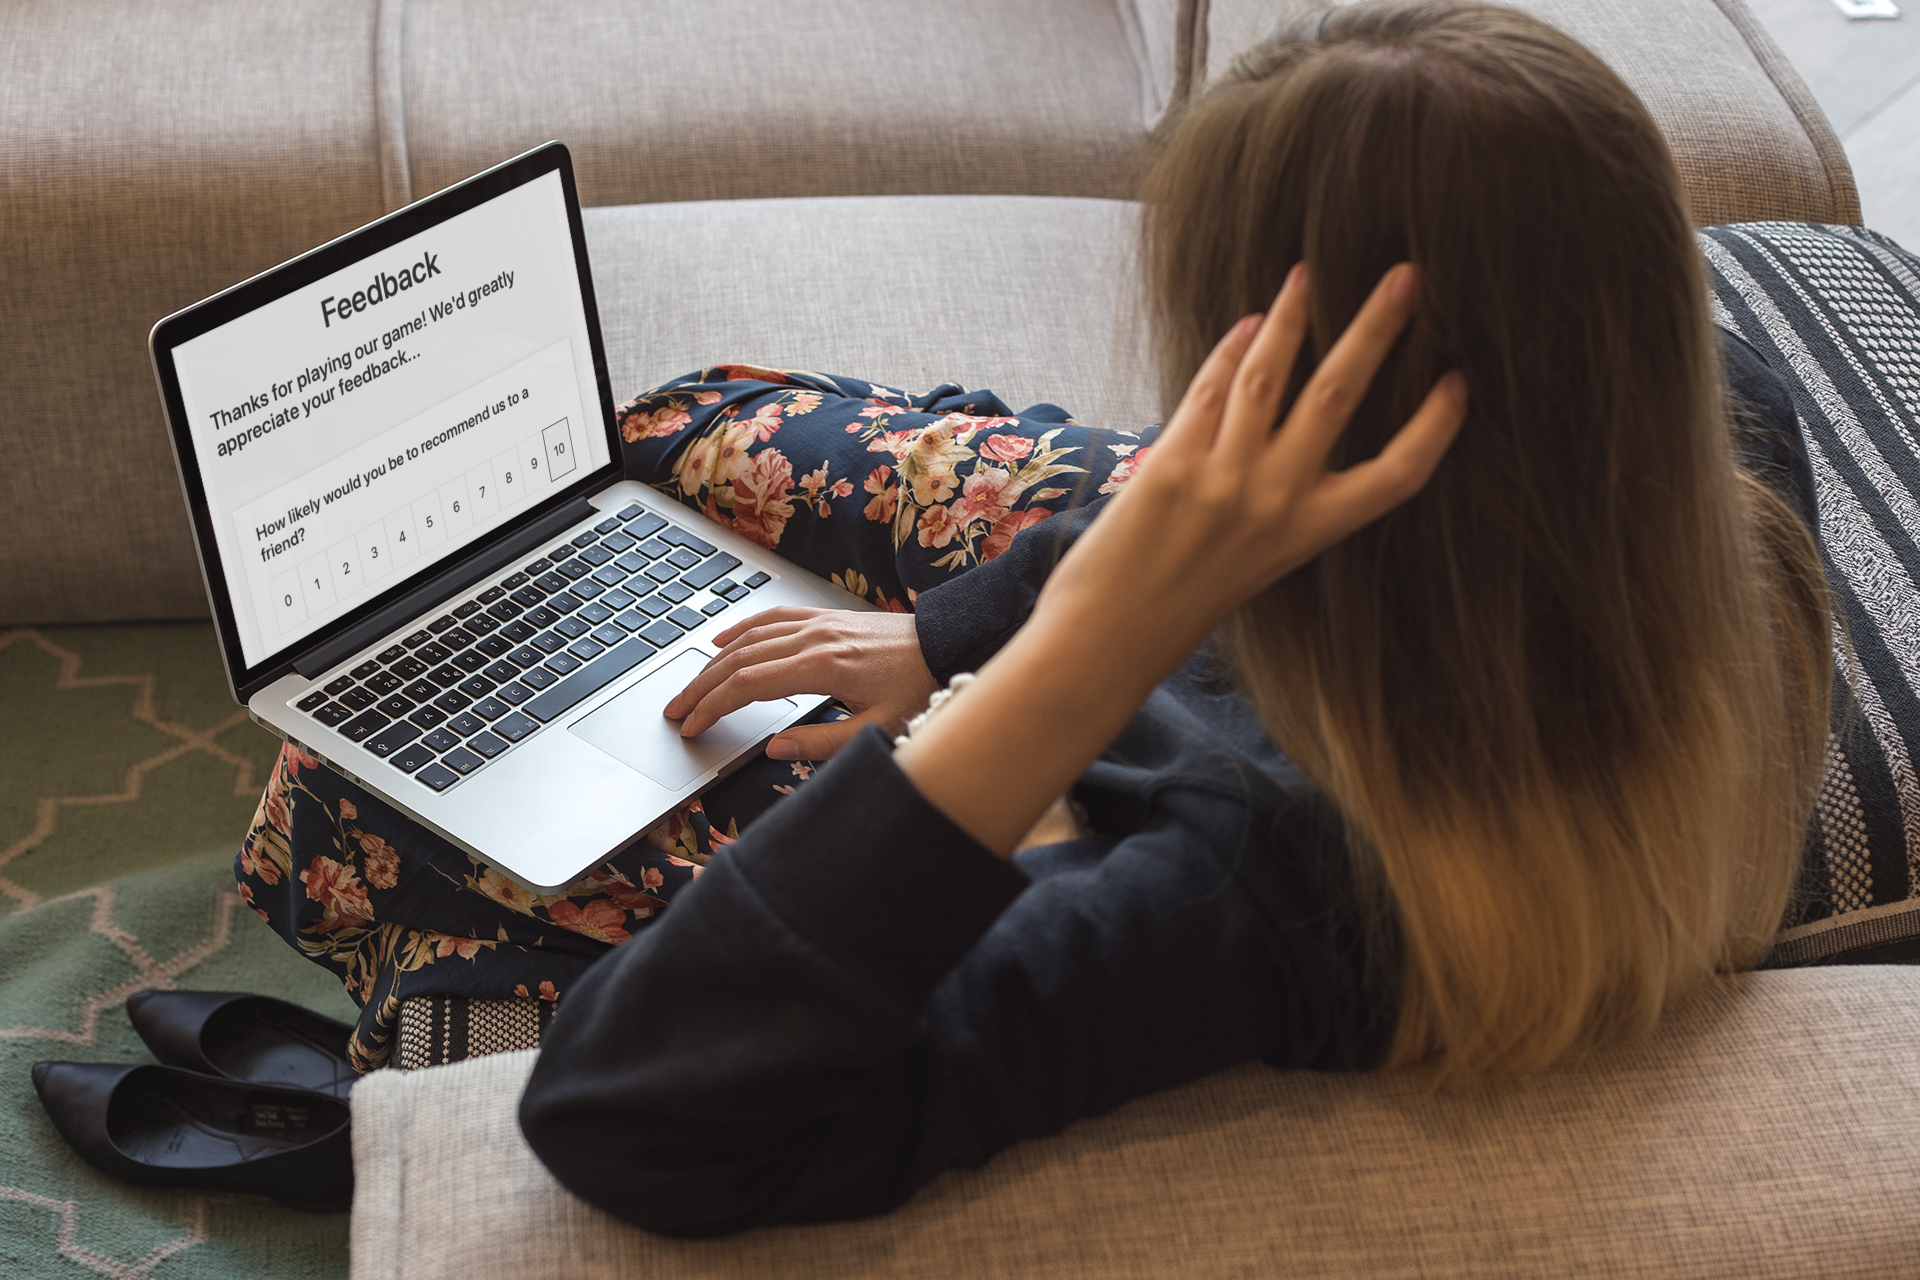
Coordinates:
498 666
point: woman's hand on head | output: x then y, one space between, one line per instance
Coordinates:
869 661
1226 504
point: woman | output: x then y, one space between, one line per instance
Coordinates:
1549 672
1509 739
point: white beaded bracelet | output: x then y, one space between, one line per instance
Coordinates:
939 700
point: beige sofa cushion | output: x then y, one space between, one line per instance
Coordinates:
1772 1129
1750 141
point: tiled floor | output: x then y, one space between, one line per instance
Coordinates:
1866 76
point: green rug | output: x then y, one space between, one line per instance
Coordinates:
127 776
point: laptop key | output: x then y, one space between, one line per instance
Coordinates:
735 593
723 586
655 607
428 717
683 557
364 726
602 671
417 639
393 654
608 525
412 758
446 675
519 631
540 619
437 776
574 570
453 700
596 555
357 699
550 582
711 571
466 724
365 669
632 562
441 623
528 596
525 656
560 552
653 548
549 642
394 706
491 594
470 661
587 589
680 537
594 614
441 740
661 633
678 592
476 686
632 620
384 682
646 526
585 539
617 542
409 668
486 744
537 568
587 649
422 690
490 709
759 579
713 608
392 738
515 693
610 575
467 610
563 663
332 714
572 628
685 618
631 510
538 678
663 571
461 760
433 654
496 646
501 672
480 624
505 610
513 581
319 696
514 727
456 639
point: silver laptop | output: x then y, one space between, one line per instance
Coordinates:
424 562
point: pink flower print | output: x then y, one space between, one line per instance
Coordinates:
274 805
700 464
760 505
349 811
804 403
599 919
548 993
1005 528
337 889
766 420
651 878
749 373
622 894
465 948
663 421
878 411
802 770
706 397
733 459
886 496
262 867
508 894
937 526
520 989
1005 448
929 466
815 484
897 443
987 494
296 760
382 863
1124 470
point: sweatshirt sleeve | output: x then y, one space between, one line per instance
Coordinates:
856 996
965 621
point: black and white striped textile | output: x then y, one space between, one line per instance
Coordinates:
1835 311
435 1030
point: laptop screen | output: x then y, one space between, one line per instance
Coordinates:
355 432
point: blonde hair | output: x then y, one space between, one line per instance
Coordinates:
1571 699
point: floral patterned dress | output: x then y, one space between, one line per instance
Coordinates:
887 494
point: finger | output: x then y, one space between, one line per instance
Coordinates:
781 613
758 681
1195 422
1340 383
1260 381
1351 499
765 645
814 741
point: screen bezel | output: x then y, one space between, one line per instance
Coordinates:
337 255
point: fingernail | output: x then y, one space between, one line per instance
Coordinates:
782 749
1406 285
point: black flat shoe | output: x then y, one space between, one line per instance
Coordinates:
256 1039
167 1127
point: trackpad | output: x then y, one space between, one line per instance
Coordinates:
633 731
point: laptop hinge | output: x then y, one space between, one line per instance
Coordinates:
442 585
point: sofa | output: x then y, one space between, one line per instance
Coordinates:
913 194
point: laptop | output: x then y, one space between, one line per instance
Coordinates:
426 566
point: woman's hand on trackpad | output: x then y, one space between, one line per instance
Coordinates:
869 661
